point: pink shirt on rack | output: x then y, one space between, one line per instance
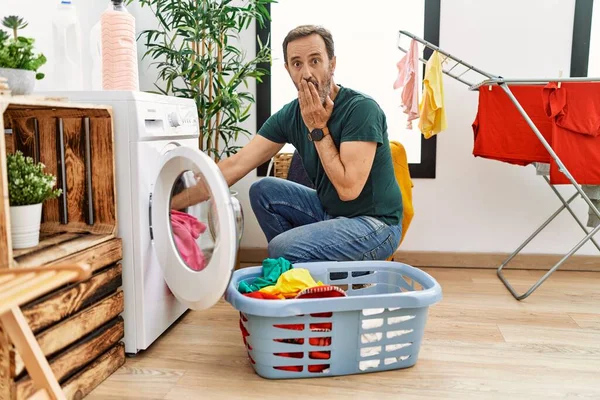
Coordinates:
408 74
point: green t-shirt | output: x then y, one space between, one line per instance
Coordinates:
355 117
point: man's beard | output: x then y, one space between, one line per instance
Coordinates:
323 90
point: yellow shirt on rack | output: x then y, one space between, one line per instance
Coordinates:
432 118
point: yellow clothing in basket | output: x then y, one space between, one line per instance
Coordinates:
290 283
432 118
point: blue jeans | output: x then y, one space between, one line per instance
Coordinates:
298 229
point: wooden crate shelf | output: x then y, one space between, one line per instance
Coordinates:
78 326
66 247
75 143
74 360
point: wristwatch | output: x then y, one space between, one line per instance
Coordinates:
316 134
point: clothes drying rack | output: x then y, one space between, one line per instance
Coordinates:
457 71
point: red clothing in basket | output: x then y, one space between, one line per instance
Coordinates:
313 292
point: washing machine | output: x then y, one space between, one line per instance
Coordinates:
173 259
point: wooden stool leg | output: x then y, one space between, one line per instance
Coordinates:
36 363
41 394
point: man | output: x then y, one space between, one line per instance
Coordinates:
355 210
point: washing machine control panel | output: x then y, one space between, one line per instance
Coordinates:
174 119
182 117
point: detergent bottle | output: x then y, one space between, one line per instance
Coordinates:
119 50
66 35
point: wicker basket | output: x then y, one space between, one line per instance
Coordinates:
281 164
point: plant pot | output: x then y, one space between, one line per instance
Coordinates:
20 81
25 225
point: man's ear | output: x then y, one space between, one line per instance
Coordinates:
333 60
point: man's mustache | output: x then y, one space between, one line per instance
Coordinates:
313 82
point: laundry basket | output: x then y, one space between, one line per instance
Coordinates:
378 326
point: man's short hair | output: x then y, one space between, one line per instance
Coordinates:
307 30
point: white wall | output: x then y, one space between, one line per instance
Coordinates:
474 205
39 15
374 36
479 205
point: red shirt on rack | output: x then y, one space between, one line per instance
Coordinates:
574 110
500 131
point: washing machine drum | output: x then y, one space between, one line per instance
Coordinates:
196 227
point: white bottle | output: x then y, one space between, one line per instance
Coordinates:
66 32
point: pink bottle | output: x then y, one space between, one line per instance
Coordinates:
119 50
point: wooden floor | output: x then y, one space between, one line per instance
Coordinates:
479 343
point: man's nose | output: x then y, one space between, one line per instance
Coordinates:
306 74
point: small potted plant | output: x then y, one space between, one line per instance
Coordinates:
18 62
28 188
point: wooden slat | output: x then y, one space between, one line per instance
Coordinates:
48 156
5 260
46 242
494 260
5 366
35 361
79 227
5 278
74 146
61 304
6 119
59 113
23 280
9 143
24 135
582 263
103 179
6 257
96 257
67 332
76 357
31 283
62 250
83 383
41 394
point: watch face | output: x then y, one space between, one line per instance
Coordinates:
316 134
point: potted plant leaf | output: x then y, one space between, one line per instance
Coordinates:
28 187
18 62
194 51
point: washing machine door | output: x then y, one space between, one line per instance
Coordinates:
197 261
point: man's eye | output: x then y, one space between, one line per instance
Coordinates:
296 64
316 61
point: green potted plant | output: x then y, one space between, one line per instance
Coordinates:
28 187
193 51
18 62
